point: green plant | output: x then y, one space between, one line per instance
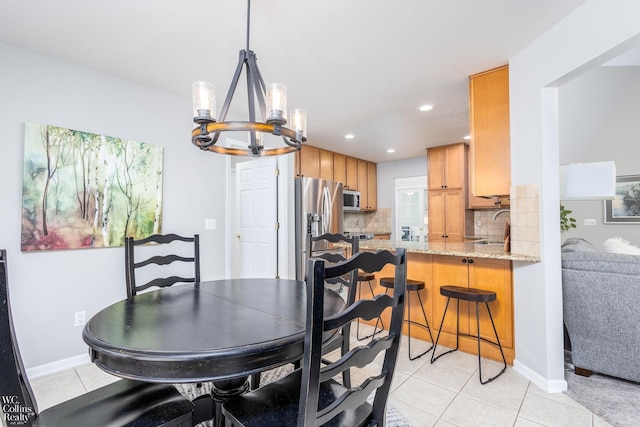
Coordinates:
566 222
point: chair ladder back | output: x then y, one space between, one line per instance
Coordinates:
160 260
15 389
313 373
348 280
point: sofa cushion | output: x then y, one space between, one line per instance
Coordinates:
577 244
619 245
601 263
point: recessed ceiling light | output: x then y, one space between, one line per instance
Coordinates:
468 137
426 107
349 136
391 150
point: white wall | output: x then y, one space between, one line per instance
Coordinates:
593 33
599 121
389 171
48 287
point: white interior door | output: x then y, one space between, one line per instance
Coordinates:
255 246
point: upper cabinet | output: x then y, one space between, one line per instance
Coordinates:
449 219
340 168
353 173
446 167
308 162
326 165
490 148
367 185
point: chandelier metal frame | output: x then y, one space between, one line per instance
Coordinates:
208 130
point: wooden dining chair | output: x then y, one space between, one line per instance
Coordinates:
148 268
348 281
122 403
168 260
331 254
311 396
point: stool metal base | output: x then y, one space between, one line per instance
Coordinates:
477 337
375 329
412 286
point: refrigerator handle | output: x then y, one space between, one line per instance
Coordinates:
326 209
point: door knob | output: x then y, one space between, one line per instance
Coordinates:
238 236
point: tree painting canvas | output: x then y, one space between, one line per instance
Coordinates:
83 190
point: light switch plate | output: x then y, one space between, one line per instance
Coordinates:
590 222
210 224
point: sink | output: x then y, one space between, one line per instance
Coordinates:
489 242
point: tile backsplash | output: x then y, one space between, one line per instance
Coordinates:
370 222
525 229
486 227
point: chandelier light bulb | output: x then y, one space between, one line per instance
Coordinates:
204 101
276 100
299 122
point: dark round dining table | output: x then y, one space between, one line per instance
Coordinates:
221 331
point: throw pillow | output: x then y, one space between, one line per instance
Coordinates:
621 246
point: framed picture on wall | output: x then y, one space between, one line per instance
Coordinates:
625 207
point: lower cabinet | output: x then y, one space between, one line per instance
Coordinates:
439 270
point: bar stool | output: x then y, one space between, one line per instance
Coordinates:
412 286
367 277
477 296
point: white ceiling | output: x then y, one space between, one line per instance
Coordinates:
359 66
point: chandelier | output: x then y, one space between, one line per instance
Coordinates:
271 101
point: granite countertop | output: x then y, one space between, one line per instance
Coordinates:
467 249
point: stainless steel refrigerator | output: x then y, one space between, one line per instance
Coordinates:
318 210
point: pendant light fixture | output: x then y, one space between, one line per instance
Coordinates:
271 100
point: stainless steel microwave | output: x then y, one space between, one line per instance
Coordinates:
350 200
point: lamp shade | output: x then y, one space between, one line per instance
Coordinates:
588 181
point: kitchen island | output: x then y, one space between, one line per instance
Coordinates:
472 264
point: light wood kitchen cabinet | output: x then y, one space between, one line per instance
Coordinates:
490 145
326 165
309 162
484 273
446 167
340 168
372 186
352 173
488 202
449 218
367 185
383 236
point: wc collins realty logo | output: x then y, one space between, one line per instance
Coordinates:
14 412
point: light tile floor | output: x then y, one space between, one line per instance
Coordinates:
446 393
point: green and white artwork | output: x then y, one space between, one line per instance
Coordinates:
83 190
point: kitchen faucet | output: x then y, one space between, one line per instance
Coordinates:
495 215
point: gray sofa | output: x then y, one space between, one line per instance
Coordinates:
601 296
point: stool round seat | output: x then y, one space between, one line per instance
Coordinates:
412 285
467 294
365 277
461 293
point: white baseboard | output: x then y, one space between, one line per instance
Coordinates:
57 366
549 386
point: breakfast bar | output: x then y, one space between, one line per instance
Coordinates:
476 264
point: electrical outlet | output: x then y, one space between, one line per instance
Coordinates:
590 222
79 318
478 223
